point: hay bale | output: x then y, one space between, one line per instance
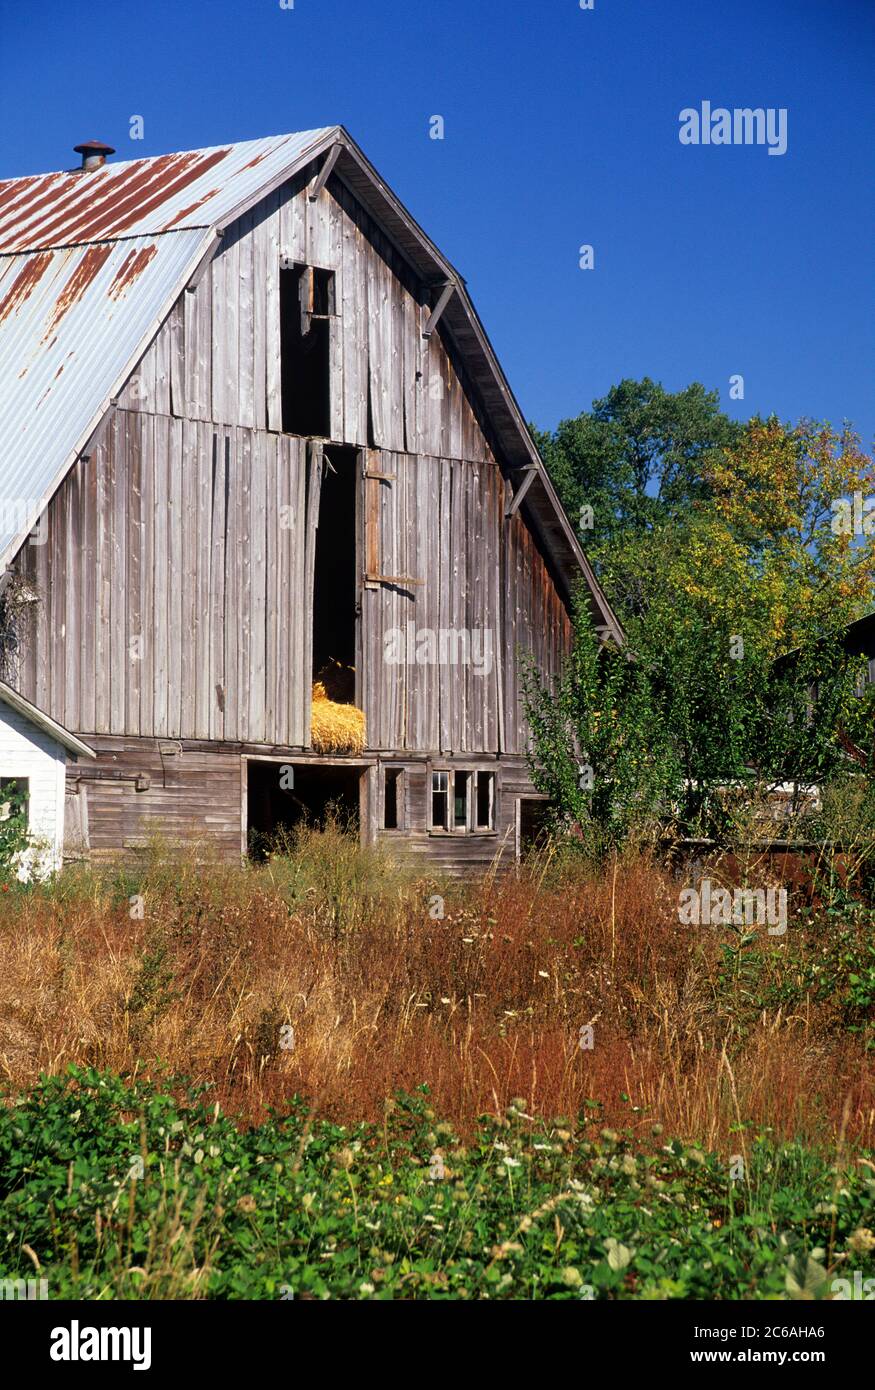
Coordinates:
335 728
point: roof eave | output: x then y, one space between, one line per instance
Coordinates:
34 715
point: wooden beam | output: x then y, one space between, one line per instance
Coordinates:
401 580
322 177
520 492
446 292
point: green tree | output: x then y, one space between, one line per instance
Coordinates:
639 457
691 730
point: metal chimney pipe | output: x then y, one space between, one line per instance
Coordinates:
93 153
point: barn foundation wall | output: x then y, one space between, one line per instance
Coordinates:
141 791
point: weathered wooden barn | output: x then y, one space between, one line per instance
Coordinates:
252 425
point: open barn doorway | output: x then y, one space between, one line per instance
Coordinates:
335 576
282 797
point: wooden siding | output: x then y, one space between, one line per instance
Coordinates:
437 522
168 583
176 580
536 626
192 796
217 357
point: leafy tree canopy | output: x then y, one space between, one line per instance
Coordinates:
722 547
639 457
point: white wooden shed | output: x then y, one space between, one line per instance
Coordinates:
34 750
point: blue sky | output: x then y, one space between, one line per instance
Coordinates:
561 128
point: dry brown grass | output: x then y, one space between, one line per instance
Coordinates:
482 1006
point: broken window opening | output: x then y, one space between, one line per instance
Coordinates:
463 801
485 801
306 305
15 800
461 782
393 785
532 824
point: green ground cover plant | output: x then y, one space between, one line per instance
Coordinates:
124 1188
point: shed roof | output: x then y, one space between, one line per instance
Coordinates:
91 262
43 721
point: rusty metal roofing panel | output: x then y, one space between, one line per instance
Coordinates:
138 197
72 325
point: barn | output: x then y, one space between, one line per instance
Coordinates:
291 540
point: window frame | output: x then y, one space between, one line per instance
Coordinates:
22 781
472 773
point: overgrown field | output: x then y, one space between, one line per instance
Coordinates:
554 1089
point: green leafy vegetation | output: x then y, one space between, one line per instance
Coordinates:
121 1189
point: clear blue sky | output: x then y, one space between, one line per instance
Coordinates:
561 128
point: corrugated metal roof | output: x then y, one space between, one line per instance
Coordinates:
72 324
195 188
90 263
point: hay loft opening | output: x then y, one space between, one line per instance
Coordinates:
307 307
334 576
282 796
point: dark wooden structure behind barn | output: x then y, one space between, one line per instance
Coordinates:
257 423
860 641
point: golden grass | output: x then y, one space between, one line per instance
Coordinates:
335 728
338 944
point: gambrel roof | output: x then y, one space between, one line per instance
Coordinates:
91 262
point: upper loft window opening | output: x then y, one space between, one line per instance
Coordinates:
307 304
323 293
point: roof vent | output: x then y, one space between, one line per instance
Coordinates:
93 153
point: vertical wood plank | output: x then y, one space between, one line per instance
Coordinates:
134 633
206 454
218 524
161 581
189 581
246 369
146 431
175 577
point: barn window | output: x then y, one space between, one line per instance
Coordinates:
393 787
461 787
307 304
463 801
440 800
